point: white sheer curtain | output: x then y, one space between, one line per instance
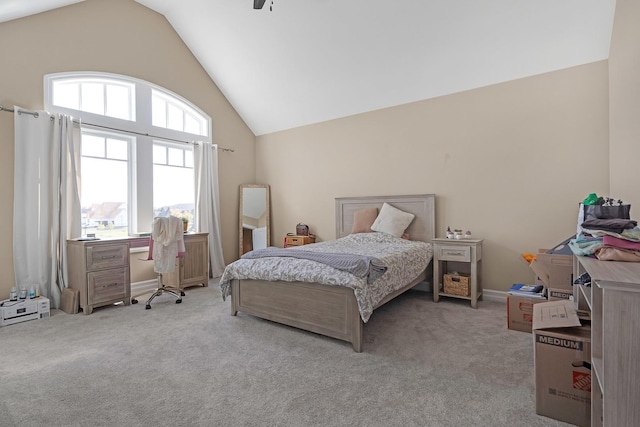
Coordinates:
46 203
208 202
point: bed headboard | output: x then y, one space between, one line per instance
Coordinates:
423 226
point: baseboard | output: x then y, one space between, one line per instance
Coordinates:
491 295
146 286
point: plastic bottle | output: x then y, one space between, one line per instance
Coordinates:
32 292
23 293
13 296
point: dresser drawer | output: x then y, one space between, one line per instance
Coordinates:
108 285
100 257
454 253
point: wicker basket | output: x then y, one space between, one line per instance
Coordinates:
457 284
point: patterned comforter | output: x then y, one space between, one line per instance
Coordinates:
404 259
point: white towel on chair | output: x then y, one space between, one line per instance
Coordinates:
168 242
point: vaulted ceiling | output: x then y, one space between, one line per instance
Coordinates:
308 61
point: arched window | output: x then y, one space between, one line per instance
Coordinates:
136 155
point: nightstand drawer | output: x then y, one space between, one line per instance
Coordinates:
106 256
108 285
454 253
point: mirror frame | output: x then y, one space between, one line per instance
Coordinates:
240 216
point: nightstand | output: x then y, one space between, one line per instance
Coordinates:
463 256
298 240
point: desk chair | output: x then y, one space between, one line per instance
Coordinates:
165 244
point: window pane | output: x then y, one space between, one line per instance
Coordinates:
93 98
176 157
160 154
188 158
117 149
66 95
191 124
104 201
173 192
93 146
118 102
171 113
159 112
174 116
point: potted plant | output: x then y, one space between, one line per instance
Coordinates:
185 223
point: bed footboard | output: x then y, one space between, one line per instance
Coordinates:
327 310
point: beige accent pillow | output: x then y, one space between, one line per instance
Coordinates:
392 220
363 220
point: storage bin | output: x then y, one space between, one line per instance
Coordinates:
457 284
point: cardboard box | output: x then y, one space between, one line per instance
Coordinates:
580 306
536 279
555 294
298 240
562 363
520 312
554 270
70 301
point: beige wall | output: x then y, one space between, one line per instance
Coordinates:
117 36
624 89
509 162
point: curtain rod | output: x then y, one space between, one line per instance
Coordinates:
10 110
35 114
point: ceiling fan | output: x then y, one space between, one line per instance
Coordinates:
257 4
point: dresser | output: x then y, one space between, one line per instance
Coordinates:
193 268
614 302
99 270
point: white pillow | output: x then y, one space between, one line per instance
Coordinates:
392 220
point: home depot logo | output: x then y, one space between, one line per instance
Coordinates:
525 307
560 342
582 381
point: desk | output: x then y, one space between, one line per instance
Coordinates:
100 270
193 268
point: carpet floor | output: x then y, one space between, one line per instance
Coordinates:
193 364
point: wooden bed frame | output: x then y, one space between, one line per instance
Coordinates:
331 310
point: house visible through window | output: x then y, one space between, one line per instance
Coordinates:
132 169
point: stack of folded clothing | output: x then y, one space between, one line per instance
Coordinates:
605 230
614 225
609 244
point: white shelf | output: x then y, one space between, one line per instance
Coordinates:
614 300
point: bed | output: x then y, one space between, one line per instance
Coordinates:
327 309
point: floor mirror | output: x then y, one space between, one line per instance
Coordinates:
254 218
